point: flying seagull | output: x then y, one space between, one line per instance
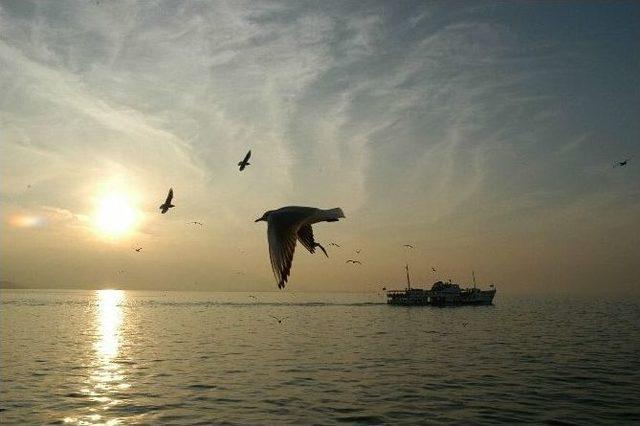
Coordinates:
433 269
622 163
195 223
245 161
139 249
279 319
353 261
334 244
288 225
408 246
167 203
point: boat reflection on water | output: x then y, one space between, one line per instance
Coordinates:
107 377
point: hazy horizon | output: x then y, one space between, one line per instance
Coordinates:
484 134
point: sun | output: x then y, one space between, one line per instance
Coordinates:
115 215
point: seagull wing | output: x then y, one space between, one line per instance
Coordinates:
282 244
169 197
305 236
246 157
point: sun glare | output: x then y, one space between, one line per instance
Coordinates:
115 216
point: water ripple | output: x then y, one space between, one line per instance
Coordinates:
203 358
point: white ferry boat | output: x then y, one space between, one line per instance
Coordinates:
441 294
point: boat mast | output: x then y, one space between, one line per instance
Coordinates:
406 267
473 274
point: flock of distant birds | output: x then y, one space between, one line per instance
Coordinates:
285 227
290 224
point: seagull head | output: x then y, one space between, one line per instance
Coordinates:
264 216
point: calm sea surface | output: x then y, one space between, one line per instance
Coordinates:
109 357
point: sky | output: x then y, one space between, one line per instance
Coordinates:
482 133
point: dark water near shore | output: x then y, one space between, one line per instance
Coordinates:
113 357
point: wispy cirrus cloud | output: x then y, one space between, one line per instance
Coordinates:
419 119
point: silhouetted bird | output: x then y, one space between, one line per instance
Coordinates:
139 249
279 319
245 161
408 246
353 261
167 203
384 289
334 244
433 269
622 163
288 224
195 223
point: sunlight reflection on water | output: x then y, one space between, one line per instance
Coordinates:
107 376
109 319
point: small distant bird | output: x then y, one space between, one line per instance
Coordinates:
358 251
288 224
353 261
279 319
245 161
433 269
167 203
622 163
408 246
138 249
334 244
195 223
384 289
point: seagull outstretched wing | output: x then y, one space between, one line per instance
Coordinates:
305 236
282 244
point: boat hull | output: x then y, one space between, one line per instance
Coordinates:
419 297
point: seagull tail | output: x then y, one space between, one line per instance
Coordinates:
332 215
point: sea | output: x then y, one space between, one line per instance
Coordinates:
187 358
